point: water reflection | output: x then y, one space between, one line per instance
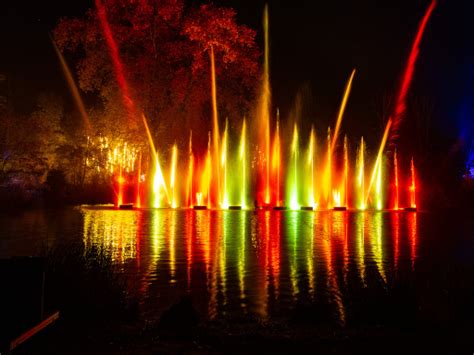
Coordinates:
360 244
333 234
396 238
258 263
376 242
112 233
412 227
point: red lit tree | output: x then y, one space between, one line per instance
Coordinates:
164 46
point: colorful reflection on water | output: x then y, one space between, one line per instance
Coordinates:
258 263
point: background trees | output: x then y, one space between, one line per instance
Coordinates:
30 144
164 46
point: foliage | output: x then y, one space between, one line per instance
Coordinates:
165 49
29 145
164 46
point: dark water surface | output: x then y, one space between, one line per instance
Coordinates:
340 267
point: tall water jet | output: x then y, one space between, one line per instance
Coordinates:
276 163
400 105
263 148
203 179
158 187
332 144
224 202
361 175
159 184
327 183
243 165
208 173
378 188
412 185
293 176
73 88
215 128
341 110
336 198
138 202
395 171
203 199
378 160
346 173
310 194
114 53
189 181
174 162
120 183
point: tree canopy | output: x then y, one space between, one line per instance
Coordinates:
164 47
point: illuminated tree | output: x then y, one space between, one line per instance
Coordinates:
30 144
164 46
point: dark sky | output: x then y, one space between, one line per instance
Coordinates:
314 47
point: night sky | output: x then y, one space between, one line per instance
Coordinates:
314 46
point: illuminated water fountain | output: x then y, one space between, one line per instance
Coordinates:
260 165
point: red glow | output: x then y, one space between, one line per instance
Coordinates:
276 167
189 182
265 261
120 183
395 167
412 185
396 238
274 250
189 225
412 230
114 53
138 202
400 105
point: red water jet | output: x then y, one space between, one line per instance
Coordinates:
114 53
400 104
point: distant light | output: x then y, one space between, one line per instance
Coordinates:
471 172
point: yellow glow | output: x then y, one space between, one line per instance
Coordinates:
294 203
189 182
360 224
376 241
336 197
73 87
243 161
346 173
159 184
174 162
378 188
113 233
223 170
172 243
341 110
327 183
310 168
378 161
199 198
361 175
276 161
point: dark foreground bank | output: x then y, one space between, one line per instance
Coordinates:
99 316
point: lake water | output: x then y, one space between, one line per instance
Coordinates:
339 267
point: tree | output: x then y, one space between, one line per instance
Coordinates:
48 134
30 144
164 46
